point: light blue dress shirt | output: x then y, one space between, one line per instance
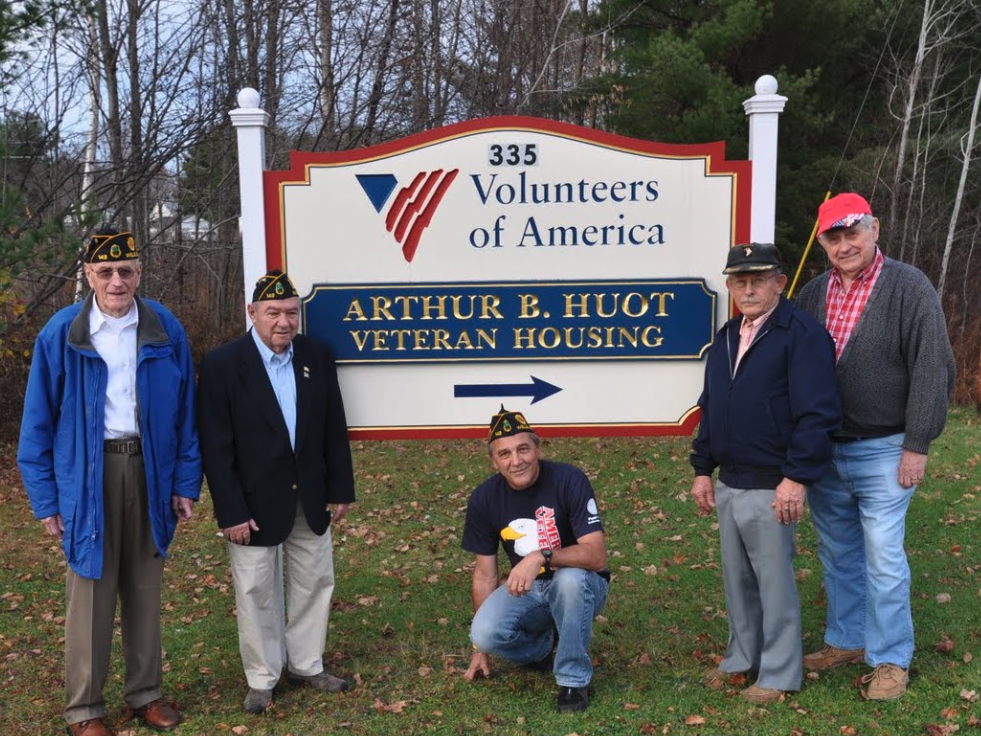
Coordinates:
279 368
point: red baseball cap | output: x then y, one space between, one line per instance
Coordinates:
843 210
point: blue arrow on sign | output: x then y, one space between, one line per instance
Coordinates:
537 389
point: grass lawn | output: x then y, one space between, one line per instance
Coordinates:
402 611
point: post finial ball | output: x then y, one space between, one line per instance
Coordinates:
249 98
766 85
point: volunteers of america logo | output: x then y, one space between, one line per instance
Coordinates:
412 208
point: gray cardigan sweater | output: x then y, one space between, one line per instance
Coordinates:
897 372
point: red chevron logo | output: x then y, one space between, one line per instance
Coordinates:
413 207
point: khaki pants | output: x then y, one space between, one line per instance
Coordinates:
132 570
266 642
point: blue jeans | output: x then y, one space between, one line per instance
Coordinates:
859 511
520 628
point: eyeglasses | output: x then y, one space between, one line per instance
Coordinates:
757 282
124 272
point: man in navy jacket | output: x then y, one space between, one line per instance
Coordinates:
769 406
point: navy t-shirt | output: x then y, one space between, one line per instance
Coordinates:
559 508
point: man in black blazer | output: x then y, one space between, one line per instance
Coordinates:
276 455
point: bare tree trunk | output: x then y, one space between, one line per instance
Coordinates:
909 100
965 166
109 66
381 69
328 91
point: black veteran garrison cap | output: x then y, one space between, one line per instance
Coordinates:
507 423
274 285
107 245
750 257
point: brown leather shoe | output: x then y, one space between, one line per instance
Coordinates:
159 715
886 682
91 727
829 657
756 694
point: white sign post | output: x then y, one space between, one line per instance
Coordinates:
516 261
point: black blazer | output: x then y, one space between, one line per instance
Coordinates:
252 471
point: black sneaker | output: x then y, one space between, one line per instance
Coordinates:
573 699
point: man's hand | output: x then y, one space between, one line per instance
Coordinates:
339 511
912 467
703 491
788 503
183 507
242 533
522 575
53 525
479 666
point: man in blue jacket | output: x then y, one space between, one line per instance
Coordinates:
769 407
109 457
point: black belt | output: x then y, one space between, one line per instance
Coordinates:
124 447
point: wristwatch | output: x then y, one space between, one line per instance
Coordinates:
547 554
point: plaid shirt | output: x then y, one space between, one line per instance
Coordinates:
843 308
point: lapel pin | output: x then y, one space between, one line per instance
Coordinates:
306 372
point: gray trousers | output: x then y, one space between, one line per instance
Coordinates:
761 593
131 570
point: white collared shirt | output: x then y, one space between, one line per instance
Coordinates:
114 338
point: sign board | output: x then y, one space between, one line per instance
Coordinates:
565 272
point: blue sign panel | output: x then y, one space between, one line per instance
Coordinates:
671 319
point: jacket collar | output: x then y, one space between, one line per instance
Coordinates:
150 330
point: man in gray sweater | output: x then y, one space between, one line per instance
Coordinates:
895 370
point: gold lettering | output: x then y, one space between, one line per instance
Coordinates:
488 307
463 342
553 339
400 336
428 308
524 335
599 306
380 306
641 309
489 338
406 303
582 305
529 306
360 338
381 339
662 296
625 334
568 337
441 340
455 299
657 341
419 336
355 312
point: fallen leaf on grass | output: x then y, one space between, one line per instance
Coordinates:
425 671
944 645
631 706
970 696
396 707
935 729
943 598
950 713
239 730
848 731
694 721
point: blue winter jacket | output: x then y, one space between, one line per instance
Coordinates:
62 432
773 417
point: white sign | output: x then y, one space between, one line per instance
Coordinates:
515 261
